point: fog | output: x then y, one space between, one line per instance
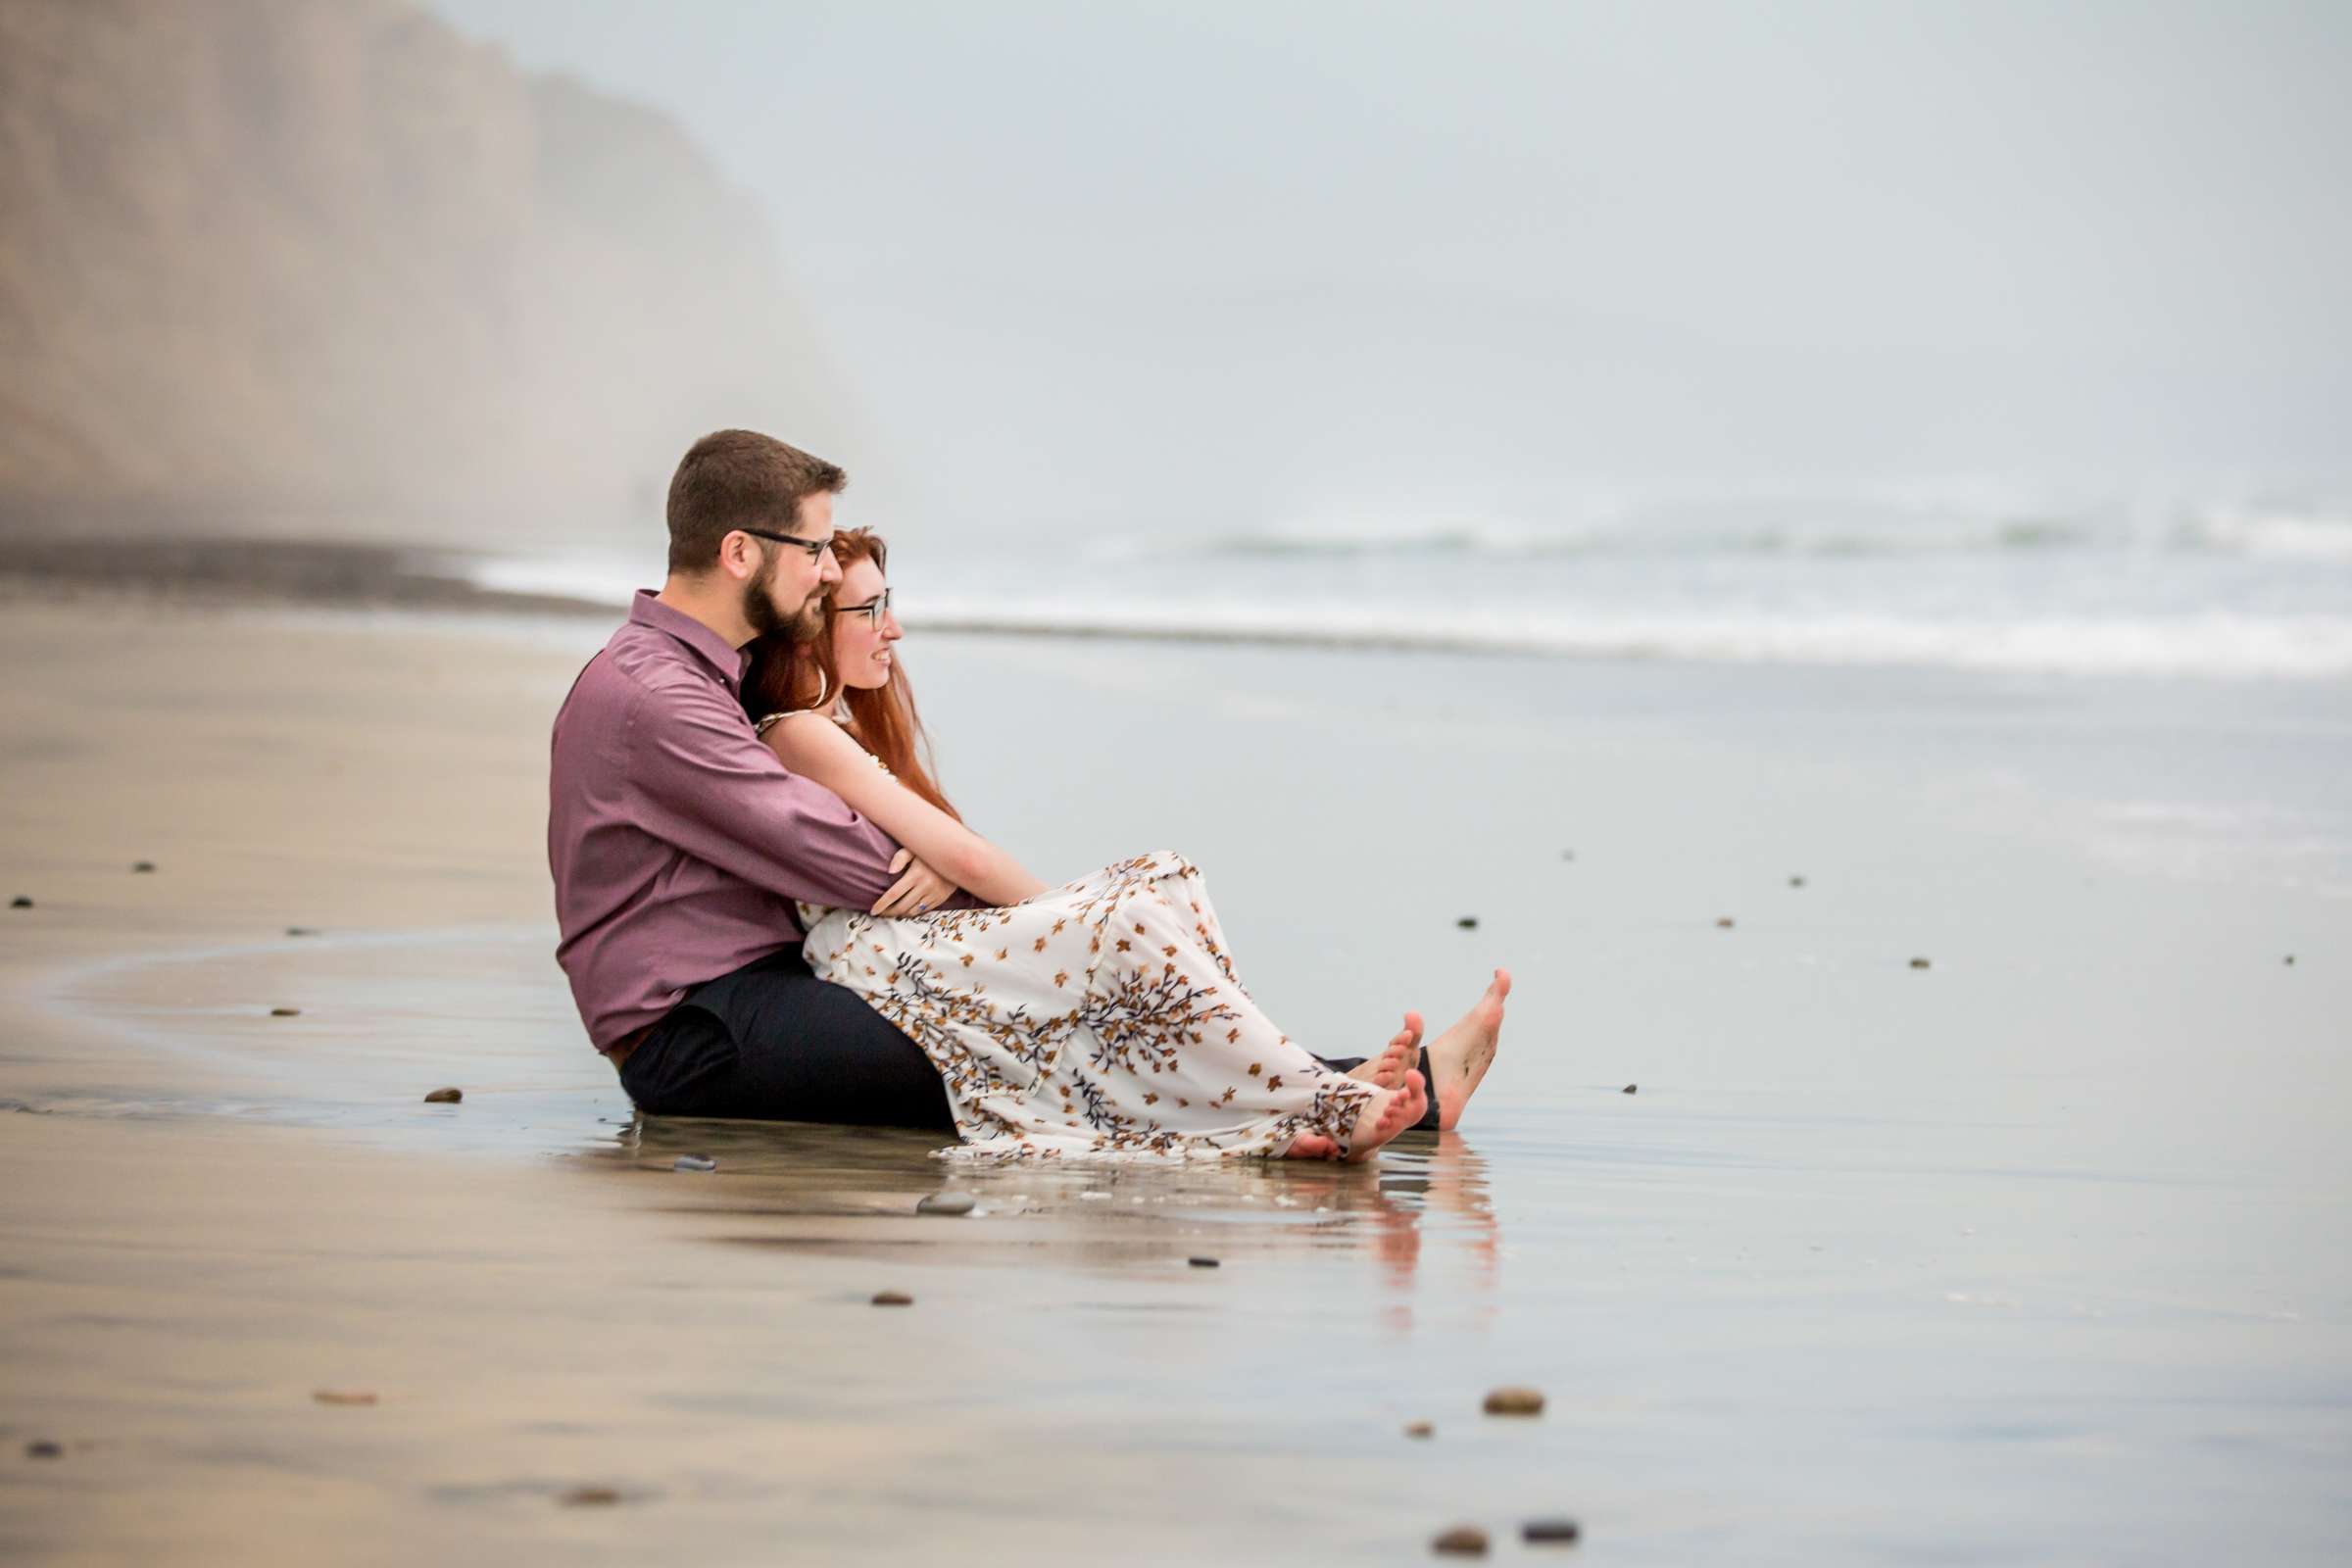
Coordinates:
1242 267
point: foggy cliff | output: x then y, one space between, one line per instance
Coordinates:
326 267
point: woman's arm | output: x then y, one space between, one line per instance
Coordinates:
816 748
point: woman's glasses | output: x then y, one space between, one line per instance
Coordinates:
873 610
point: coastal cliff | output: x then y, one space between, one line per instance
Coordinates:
291 267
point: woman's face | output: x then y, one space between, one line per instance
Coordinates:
862 636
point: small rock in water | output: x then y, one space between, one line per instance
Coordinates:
445 1096
590 1498
1723 922
892 1298
948 1203
1420 1429
44 1449
285 1012
2290 960
1515 1401
1796 881
1462 1541
1201 1262
142 865
302 930
1550 1532
1918 963
1630 1089
19 902
695 1162
1468 922
343 1396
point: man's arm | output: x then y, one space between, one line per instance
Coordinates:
700 780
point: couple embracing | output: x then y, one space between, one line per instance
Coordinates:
768 910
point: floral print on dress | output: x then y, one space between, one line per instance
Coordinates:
1098 1020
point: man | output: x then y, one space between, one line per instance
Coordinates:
679 843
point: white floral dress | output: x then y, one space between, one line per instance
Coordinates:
1098 1020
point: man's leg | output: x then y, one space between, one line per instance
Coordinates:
773 1043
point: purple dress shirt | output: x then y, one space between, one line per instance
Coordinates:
678 842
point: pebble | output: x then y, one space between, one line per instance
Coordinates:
1420 1429
445 1096
285 1012
302 930
1550 1532
2290 960
590 1498
1723 922
1201 1262
142 865
1468 922
1515 1401
1630 1089
695 1162
950 1203
1918 963
19 902
1462 1541
44 1449
892 1298
343 1396
1796 881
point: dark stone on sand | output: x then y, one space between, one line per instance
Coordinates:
44 1449
1468 922
1723 922
302 930
343 1396
590 1498
285 1012
695 1162
1201 1262
142 865
1796 881
1515 1401
1550 1532
19 902
892 1298
445 1096
2290 960
1918 963
1630 1089
950 1203
1462 1541
1420 1429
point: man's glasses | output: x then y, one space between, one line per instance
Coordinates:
815 547
873 610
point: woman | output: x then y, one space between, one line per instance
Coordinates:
1099 1019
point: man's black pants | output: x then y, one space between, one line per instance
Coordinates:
773 1043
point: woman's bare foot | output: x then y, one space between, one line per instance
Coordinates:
1459 1058
1399 1056
1392 1113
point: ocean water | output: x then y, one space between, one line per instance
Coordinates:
2245 590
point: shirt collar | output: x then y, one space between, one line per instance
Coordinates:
645 610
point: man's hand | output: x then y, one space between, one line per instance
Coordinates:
920 889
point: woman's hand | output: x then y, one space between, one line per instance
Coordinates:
921 889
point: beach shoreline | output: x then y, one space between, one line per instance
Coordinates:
2017 1222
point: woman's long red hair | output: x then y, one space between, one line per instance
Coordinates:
787 676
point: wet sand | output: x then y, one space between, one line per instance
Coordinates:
2033 1254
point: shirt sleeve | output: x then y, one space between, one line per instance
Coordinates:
704 783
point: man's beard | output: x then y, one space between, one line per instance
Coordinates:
761 615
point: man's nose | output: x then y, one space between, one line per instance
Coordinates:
828 569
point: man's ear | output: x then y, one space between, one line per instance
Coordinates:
738 557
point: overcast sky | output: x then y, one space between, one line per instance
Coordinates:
1350 260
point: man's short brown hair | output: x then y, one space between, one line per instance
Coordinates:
740 479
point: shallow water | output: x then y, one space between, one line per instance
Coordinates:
2033 1254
